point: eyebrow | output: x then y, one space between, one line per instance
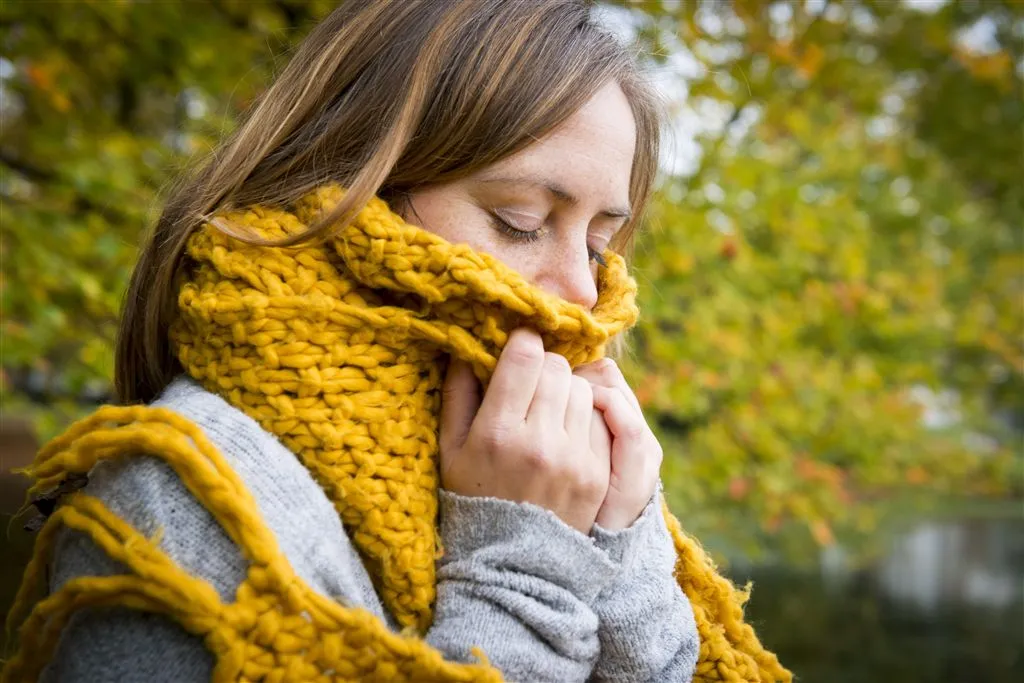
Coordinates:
557 191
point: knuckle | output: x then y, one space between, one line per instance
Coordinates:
608 368
634 431
535 456
581 388
556 363
594 486
494 438
524 347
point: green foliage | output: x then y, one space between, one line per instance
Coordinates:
848 246
848 243
102 105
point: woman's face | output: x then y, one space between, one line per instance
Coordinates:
543 210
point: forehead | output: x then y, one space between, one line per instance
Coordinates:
591 153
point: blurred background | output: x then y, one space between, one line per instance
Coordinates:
832 281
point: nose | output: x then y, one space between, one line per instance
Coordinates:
567 273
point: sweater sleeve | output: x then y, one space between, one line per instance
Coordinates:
517 582
648 633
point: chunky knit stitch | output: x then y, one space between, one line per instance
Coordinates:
337 348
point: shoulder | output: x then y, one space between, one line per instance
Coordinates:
273 474
145 491
148 494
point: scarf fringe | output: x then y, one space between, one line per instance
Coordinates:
277 624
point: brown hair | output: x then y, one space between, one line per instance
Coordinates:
384 97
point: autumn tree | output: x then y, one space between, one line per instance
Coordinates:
102 104
844 251
833 295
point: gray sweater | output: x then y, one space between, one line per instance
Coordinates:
544 601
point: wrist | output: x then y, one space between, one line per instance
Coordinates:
622 544
617 520
622 515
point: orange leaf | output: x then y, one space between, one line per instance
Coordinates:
810 61
40 77
738 488
729 249
917 475
822 533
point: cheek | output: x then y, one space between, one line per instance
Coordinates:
448 217
525 259
519 258
441 215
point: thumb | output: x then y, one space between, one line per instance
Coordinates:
460 399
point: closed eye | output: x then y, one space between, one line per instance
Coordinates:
527 236
514 233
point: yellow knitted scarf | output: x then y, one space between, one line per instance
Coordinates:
338 349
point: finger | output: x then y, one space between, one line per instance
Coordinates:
593 373
515 379
600 439
580 408
551 399
623 421
460 400
605 372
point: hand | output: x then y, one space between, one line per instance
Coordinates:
529 439
635 452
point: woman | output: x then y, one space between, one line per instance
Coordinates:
381 441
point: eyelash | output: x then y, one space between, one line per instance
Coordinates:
514 232
528 236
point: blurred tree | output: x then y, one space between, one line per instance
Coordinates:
834 294
102 103
845 250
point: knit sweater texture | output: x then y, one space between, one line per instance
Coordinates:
337 348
